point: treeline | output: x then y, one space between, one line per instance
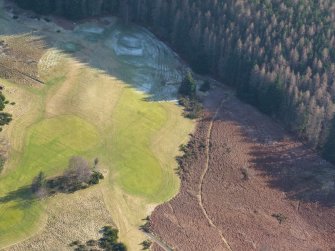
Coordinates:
73 9
278 54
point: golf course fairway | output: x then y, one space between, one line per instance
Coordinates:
82 111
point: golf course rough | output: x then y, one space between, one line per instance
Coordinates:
84 111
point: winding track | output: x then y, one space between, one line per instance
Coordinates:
200 198
163 245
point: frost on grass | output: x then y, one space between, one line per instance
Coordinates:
49 60
151 66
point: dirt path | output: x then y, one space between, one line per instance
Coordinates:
216 198
159 242
200 197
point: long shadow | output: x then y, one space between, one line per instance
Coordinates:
53 186
291 167
297 171
127 52
288 165
23 194
93 49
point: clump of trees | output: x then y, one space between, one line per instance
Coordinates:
188 97
78 175
278 55
109 242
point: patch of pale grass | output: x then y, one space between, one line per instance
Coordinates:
49 61
20 57
137 143
71 217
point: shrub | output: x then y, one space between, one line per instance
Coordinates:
146 227
146 244
119 247
81 247
109 241
96 177
5 118
280 217
192 107
92 243
245 173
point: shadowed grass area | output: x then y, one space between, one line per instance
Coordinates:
133 139
84 111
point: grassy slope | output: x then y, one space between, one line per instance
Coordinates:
85 112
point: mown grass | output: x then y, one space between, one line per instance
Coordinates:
93 115
139 171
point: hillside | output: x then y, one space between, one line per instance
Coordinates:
81 92
180 125
279 55
248 185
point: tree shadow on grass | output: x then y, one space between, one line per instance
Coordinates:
22 194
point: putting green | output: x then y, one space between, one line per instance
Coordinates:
49 145
52 142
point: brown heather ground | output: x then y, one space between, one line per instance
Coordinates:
217 209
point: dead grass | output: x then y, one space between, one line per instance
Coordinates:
20 55
72 87
71 217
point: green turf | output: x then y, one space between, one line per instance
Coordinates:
122 141
138 169
49 145
81 111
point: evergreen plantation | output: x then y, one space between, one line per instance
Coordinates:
278 54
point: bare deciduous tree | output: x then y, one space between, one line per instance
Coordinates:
79 170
